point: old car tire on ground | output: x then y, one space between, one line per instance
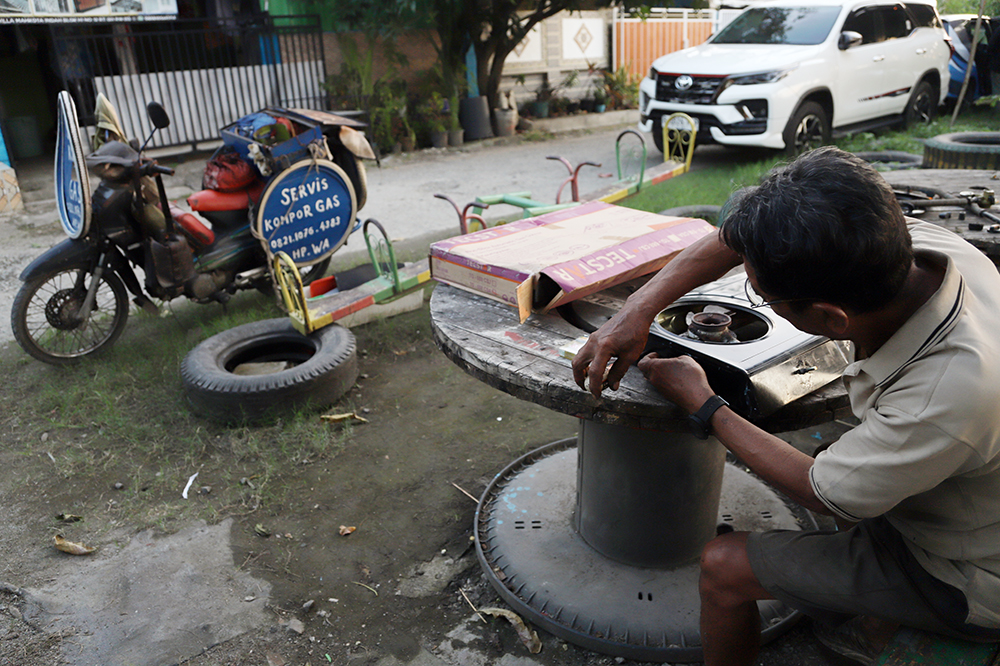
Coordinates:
808 128
258 370
963 150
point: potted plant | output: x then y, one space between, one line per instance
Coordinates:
543 97
600 100
433 112
439 133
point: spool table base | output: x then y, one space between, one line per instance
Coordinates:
540 565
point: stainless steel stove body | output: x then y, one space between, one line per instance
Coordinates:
762 364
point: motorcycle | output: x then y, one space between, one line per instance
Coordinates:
305 187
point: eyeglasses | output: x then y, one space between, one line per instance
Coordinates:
756 301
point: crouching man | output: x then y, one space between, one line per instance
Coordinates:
916 486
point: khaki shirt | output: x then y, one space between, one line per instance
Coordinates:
927 451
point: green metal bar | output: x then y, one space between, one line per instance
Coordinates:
541 210
393 268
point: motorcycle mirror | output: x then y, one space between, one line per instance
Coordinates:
158 115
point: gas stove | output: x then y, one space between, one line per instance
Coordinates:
754 359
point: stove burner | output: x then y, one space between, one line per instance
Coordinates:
758 361
713 323
710 327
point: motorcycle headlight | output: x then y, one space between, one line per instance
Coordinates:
761 77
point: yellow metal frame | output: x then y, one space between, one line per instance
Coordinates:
678 144
293 293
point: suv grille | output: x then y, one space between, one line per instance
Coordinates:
700 92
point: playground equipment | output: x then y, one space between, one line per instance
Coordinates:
334 297
630 158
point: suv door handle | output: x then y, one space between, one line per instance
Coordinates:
921 51
878 58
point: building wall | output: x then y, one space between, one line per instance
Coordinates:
568 42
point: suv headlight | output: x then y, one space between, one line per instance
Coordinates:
772 76
769 76
652 73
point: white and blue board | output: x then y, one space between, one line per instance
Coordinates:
71 177
307 211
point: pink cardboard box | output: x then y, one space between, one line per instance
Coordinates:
542 262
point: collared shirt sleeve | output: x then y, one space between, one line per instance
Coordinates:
898 454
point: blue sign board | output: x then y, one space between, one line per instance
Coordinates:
71 178
307 211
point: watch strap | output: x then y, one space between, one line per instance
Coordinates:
702 419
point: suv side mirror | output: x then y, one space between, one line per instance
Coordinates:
849 38
158 115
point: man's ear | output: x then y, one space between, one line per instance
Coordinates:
834 318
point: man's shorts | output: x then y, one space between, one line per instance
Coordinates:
866 570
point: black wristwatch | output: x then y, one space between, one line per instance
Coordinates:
701 420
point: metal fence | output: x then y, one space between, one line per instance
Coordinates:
639 40
206 73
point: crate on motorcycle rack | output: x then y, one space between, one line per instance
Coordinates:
283 154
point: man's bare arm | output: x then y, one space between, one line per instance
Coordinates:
682 381
623 337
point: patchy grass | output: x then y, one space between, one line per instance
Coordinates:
702 186
714 186
121 418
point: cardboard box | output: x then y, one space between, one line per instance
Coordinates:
542 262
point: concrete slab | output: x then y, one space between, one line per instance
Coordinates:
157 601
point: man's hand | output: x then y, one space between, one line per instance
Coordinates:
623 338
681 380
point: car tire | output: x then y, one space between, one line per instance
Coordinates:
658 134
963 150
922 106
318 369
808 128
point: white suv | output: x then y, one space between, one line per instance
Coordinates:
787 74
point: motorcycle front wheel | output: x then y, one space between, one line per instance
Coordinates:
45 316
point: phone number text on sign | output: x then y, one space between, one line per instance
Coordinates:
307 211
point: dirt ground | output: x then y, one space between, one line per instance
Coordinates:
398 590
389 593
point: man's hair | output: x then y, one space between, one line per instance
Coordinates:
827 227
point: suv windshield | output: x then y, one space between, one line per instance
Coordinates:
780 25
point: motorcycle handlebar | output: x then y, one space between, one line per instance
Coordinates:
151 168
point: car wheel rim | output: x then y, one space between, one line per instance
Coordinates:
922 109
809 134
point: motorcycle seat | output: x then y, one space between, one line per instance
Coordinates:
201 235
213 201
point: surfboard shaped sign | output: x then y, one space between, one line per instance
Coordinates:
71 177
307 211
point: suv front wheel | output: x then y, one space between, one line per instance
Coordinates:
922 105
808 128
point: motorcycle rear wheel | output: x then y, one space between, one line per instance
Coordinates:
45 308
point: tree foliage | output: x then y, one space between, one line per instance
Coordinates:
493 28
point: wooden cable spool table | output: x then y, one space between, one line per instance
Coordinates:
596 538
